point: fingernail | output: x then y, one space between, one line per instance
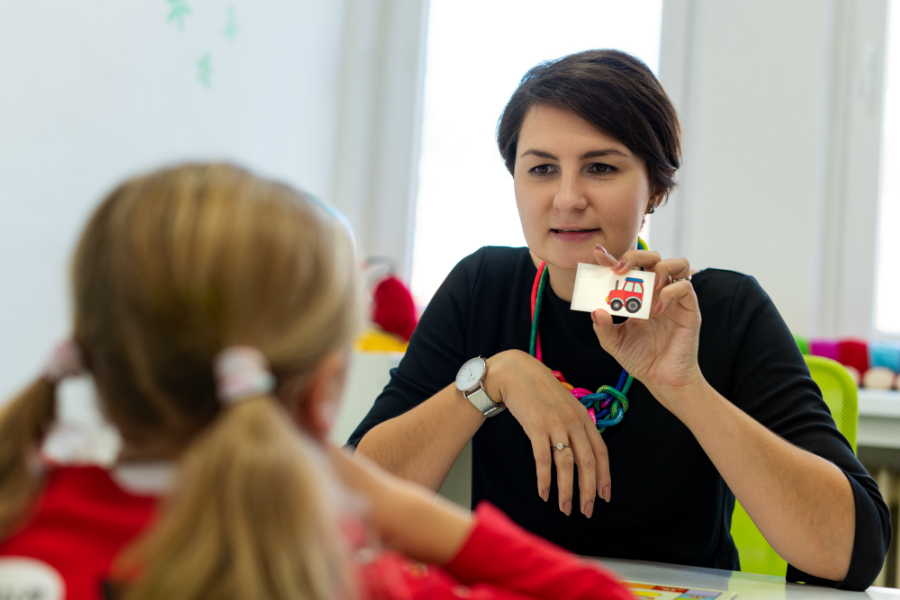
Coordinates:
599 247
545 495
588 509
567 507
605 493
622 262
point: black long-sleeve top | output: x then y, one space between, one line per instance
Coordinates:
669 503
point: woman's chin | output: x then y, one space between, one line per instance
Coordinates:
570 262
566 258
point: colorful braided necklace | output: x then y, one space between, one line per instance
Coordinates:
607 406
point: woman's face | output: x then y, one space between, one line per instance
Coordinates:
577 187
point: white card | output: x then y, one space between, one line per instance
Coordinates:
628 295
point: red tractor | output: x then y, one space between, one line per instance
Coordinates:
631 296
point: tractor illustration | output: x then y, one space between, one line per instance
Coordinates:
631 296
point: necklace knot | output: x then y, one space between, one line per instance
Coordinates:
606 407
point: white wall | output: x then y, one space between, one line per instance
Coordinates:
767 95
322 94
94 91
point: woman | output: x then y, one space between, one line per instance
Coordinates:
214 311
592 143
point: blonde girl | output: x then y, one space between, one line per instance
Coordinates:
214 310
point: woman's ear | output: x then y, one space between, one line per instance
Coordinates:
654 203
317 413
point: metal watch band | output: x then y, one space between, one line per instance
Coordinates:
483 402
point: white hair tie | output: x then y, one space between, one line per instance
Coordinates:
65 361
242 371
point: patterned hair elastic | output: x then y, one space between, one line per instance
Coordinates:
65 361
241 372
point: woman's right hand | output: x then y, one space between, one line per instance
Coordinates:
550 415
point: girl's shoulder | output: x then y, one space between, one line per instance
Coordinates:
79 522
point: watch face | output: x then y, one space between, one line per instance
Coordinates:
470 374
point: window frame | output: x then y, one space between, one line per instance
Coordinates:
843 217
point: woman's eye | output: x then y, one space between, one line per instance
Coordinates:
602 169
542 169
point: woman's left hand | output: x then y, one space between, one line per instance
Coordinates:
660 352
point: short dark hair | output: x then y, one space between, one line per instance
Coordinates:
613 91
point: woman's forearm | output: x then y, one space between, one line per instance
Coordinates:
802 503
421 445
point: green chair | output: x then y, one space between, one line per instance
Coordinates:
839 392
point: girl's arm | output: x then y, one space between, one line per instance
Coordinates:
500 554
405 516
487 551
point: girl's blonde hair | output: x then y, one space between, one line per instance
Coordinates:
173 267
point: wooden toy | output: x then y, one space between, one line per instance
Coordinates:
879 378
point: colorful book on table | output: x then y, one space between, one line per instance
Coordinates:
653 591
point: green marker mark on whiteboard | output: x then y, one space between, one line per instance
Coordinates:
178 10
204 70
230 30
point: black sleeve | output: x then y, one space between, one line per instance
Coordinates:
436 349
771 382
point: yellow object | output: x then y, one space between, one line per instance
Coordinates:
840 394
376 340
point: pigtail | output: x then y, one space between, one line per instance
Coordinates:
247 519
24 421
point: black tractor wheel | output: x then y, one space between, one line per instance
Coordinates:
633 305
616 304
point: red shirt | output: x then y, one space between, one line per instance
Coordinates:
83 519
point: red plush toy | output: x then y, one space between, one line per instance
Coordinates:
393 308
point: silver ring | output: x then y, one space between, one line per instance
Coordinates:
559 446
688 278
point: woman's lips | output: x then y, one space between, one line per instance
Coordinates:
573 235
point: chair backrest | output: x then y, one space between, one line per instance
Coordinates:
840 394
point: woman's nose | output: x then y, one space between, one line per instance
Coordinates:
570 196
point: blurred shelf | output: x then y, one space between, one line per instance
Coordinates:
879 403
879 419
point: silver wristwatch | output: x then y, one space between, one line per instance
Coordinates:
470 380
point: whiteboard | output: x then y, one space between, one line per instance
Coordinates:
92 91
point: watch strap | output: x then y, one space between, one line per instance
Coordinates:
483 402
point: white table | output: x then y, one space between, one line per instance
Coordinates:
747 586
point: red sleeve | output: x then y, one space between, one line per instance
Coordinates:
502 555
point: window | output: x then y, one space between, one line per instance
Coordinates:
887 295
477 53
